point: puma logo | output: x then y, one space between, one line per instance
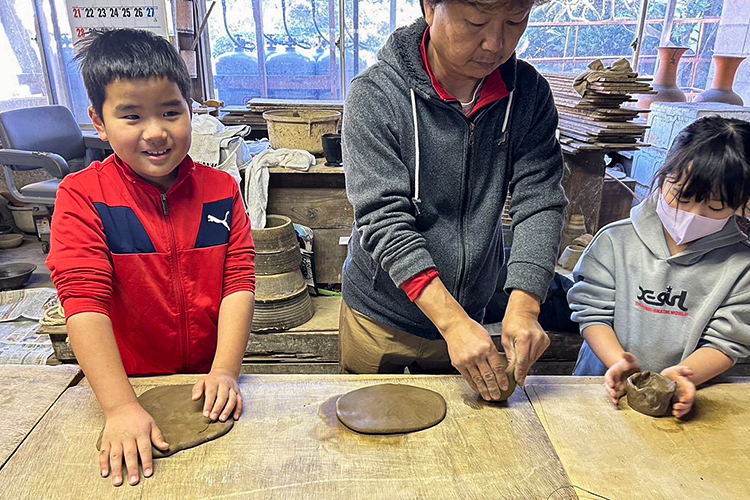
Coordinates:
216 220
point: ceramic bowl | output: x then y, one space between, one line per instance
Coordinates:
10 240
15 275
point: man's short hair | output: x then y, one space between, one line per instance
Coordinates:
128 54
489 4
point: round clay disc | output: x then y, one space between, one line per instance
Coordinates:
390 409
179 418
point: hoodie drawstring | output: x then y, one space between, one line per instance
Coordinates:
505 130
416 201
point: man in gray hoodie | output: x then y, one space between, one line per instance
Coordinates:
435 135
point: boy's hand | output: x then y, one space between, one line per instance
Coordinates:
684 396
128 432
222 395
618 373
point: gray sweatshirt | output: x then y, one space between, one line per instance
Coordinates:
428 186
661 306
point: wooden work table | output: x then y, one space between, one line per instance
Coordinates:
289 444
622 454
26 393
558 432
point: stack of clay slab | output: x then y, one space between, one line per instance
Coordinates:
281 298
591 112
666 120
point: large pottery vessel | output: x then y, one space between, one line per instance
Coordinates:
721 88
665 80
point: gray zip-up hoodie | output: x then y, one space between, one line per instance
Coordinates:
661 306
428 186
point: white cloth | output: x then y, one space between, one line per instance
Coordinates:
295 159
207 124
219 146
256 178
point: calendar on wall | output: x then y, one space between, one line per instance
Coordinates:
86 15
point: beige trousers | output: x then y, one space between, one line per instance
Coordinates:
367 346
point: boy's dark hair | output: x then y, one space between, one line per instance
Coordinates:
711 157
128 54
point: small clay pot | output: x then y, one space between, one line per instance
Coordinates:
650 393
570 257
584 240
332 149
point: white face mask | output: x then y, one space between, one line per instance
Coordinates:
685 227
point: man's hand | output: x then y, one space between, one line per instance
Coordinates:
618 373
475 356
683 398
222 395
128 432
524 339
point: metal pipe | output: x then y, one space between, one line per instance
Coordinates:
393 15
355 22
639 34
698 54
342 46
666 31
260 45
332 47
47 75
565 49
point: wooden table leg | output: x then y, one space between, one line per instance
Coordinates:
583 182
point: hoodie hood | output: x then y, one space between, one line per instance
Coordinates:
650 230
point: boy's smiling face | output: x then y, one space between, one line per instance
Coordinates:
147 123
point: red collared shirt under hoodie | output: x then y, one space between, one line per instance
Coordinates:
158 264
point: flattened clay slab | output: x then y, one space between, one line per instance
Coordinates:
650 393
179 418
390 409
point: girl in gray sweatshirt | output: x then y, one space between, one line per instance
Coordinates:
668 290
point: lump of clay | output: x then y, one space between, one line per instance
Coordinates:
390 409
650 393
179 418
510 373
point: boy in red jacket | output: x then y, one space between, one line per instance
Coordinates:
151 253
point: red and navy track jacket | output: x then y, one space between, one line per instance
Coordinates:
158 264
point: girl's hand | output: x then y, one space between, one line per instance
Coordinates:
222 395
684 396
618 373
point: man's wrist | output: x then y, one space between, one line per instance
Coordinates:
524 303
